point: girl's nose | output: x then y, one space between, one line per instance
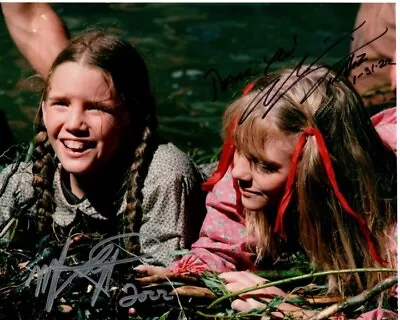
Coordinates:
75 121
241 168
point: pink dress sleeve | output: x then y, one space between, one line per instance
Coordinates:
222 245
385 123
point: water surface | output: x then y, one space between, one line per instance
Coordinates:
180 43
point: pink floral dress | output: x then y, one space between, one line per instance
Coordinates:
223 244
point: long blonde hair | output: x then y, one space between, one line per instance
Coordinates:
288 102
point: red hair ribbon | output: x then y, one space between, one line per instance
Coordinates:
248 88
279 226
228 150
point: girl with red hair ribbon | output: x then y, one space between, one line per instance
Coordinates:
302 169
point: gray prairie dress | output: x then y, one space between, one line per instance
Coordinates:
173 204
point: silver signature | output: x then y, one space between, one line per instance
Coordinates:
102 260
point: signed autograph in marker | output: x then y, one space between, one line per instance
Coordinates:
102 260
232 80
345 64
343 67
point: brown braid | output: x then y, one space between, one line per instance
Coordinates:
142 159
129 76
43 170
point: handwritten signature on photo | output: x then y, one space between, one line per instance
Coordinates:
343 66
230 81
101 261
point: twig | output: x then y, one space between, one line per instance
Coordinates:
195 292
293 279
243 314
13 231
177 297
171 276
8 225
314 299
356 300
5 152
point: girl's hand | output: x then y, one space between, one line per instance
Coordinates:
239 280
148 270
236 281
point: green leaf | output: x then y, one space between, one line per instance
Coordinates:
275 302
295 300
213 282
165 316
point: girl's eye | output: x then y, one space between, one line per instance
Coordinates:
266 168
94 107
263 166
59 103
99 107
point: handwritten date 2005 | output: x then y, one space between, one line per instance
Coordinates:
102 260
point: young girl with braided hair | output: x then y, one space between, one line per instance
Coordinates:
302 168
99 166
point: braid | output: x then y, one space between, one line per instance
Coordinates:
43 173
143 156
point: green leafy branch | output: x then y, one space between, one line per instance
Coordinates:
293 279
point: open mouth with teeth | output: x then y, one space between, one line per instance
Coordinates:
78 146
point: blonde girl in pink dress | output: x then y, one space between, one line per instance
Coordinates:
302 167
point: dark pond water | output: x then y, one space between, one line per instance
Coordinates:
180 43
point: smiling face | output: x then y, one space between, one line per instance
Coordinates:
83 117
262 181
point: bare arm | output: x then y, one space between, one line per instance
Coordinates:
37 31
